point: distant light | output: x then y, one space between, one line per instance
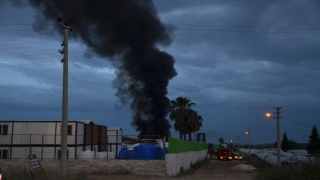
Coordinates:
247 132
268 115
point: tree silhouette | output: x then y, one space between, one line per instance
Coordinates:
221 140
284 143
292 145
193 122
179 109
313 146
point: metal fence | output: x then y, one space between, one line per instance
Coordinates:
18 146
177 146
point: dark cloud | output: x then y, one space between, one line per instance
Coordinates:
18 3
236 60
133 29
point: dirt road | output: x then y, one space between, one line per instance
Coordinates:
215 169
224 170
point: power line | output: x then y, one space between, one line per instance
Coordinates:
210 36
27 54
198 25
210 30
243 27
25 29
297 122
41 42
25 47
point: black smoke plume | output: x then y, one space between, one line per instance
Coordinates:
127 32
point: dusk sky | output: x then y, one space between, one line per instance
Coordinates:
235 59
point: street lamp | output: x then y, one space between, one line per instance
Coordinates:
278 135
231 144
248 133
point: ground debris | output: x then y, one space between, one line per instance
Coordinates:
244 167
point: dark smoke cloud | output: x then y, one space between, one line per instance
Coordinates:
127 32
17 3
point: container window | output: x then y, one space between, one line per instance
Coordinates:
4 154
69 129
5 129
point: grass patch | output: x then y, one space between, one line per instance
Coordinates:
258 163
303 171
193 168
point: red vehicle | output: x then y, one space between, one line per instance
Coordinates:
224 151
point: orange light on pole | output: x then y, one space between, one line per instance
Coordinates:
248 133
278 133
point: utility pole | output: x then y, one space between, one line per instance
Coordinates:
249 132
278 135
238 142
64 126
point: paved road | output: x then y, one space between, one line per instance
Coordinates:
215 169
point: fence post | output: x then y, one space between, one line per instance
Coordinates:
94 147
164 147
117 144
107 139
30 151
11 146
42 147
159 149
75 145
94 152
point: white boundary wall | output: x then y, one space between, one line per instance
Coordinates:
174 161
170 166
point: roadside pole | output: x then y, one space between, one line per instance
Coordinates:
64 127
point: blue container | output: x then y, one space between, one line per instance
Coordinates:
122 153
147 151
130 154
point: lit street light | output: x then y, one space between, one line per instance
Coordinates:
268 115
278 134
248 132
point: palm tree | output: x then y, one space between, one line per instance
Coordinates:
194 122
179 112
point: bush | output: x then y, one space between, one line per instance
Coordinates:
181 170
290 172
193 167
